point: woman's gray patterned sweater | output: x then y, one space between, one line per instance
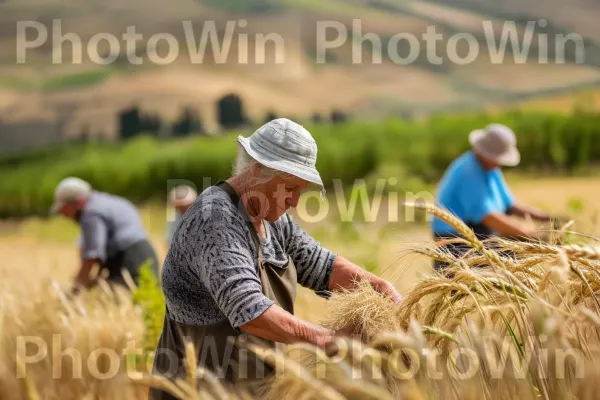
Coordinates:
210 272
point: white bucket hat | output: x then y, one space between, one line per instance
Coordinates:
68 190
497 143
285 146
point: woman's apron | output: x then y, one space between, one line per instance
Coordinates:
214 344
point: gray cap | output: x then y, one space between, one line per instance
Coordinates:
497 143
69 189
285 146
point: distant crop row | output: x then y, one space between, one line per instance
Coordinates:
141 168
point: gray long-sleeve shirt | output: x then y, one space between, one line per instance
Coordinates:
109 224
211 270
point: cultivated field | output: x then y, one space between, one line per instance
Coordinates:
38 248
40 258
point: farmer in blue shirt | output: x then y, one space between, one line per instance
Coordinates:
473 188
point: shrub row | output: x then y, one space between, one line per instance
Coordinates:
141 168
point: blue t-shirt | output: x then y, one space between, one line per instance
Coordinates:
471 193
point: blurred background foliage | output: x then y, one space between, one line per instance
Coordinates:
416 153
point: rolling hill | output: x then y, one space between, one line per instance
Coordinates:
43 100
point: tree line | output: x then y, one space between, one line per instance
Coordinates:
231 115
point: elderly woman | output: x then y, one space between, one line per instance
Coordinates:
236 257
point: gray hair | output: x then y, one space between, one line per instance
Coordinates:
244 162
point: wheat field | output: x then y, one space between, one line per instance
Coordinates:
496 326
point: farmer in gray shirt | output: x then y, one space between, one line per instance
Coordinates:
236 257
112 233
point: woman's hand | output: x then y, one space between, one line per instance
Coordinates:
346 275
384 287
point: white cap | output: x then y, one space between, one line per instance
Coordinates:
182 195
68 190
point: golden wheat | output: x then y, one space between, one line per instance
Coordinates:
532 303
518 304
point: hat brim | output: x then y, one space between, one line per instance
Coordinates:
307 173
510 158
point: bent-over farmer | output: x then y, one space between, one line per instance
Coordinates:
236 257
473 188
112 233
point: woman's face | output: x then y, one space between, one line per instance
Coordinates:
280 194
